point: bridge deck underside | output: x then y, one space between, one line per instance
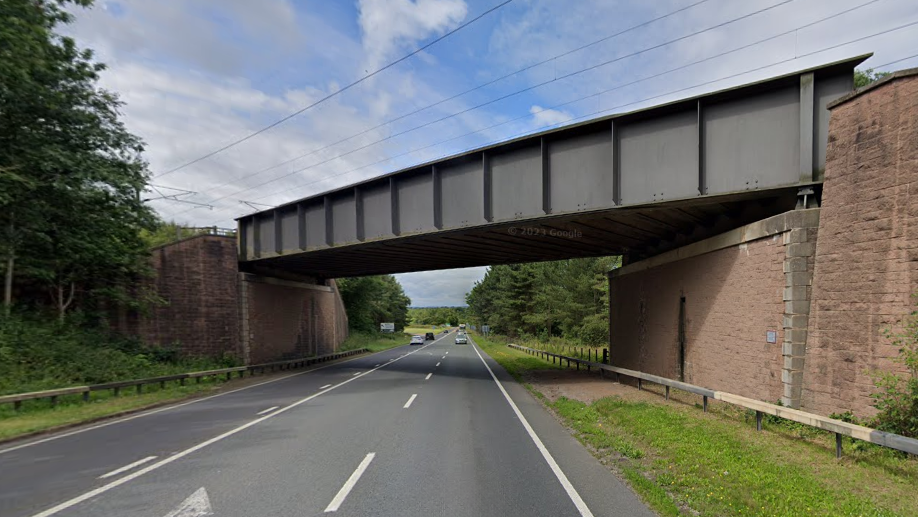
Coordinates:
636 232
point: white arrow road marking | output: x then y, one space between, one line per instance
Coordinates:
270 409
179 455
197 505
127 467
410 400
348 485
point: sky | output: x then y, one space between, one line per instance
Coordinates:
195 75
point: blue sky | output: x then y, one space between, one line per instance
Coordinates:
196 74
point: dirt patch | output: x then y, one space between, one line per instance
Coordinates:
586 387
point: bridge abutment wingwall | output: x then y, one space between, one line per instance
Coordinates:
793 307
726 313
211 308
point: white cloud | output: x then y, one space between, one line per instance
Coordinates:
548 117
391 26
440 288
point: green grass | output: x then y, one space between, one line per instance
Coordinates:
376 342
421 330
38 354
679 459
39 415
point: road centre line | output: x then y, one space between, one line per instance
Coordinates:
120 481
410 400
127 467
326 386
175 406
270 409
349 484
562 478
438 364
356 373
428 377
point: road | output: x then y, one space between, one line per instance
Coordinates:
438 429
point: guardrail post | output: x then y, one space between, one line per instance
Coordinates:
704 404
86 396
639 384
54 402
667 393
162 385
17 405
181 382
229 375
838 445
116 391
197 380
605 355
758 420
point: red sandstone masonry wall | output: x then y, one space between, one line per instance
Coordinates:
210 305
866 265
197 278
733 296
289 319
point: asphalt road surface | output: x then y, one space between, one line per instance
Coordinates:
438 429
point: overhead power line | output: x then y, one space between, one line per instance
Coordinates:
517 92
600 112
668 93
463 93
336 92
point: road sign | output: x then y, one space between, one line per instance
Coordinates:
387 327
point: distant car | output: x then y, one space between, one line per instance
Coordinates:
417 340
462 339
430 336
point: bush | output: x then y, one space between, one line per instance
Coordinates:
595 331
36 354
897 398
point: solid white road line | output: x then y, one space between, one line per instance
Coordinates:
167 408
438 364
127 467
326 386
410 400
428 377
120 481
270 409
349 484
562 478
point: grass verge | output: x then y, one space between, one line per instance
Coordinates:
39 415
376 342
682 461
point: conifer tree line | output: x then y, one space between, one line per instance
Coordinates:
565 298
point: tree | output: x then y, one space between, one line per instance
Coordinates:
70 173
372 300
864 77
567 298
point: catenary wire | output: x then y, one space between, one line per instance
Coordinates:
492 101
335 93
604 111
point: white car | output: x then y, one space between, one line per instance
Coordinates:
461 339
417 340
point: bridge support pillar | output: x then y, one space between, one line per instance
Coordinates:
799 259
